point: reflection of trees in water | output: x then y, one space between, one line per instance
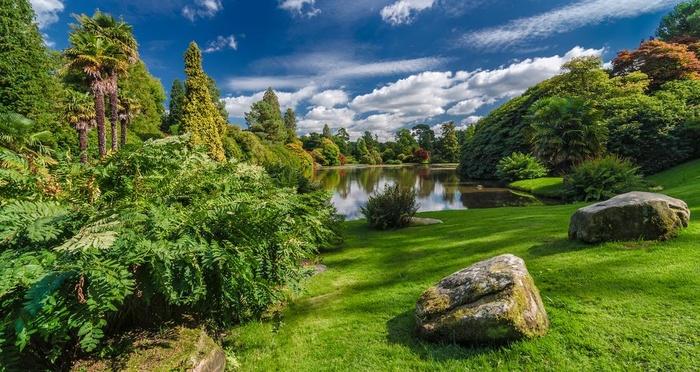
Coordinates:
492 198
368 178
328 179
343 186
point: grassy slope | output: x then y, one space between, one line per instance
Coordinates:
552 187
622 306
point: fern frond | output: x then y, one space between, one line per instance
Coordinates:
100 234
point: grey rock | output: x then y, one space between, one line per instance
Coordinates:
492 301
417 221
631 216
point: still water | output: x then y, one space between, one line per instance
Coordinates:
437 188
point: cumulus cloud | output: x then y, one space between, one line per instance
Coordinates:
237 106
202 9
571 17
330 98
300 7
401 11
256 83
47 11
221 43
420 97
468 121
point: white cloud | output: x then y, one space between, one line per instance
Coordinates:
256 83
239 105
202 9
468 121
420 97
47 11
400 12
584 13
325 71
221 43
336 118
301 7
330 98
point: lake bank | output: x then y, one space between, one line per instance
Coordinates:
613 306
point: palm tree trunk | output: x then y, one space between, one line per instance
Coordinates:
100 113
123 132
82 137
113 102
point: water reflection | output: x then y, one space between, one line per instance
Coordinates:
437 188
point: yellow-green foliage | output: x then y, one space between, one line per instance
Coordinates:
307 162
200 116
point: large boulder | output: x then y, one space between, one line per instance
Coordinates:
631 216
490 302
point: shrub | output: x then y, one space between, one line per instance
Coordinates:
519 166
393 162
422 155
151 234
603 178
391 208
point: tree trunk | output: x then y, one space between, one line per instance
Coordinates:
82 136
113 102
123 132
100 113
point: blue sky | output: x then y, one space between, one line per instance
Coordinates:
376 65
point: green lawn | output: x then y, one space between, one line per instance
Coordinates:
623 306
552 187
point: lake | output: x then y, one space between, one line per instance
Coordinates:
437 188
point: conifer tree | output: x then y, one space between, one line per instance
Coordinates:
200 116
26 84
326 131
290 122
177 97
265 119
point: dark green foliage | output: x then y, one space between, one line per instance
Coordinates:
603 178
391 208
27 86
656 132
151 234
265 119
566 131
177 96
684 20
500 133
425 136
519 166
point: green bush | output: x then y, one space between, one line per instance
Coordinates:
519 166
393 162
146 236
603 178
391 208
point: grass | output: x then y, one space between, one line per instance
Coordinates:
550 187
615 306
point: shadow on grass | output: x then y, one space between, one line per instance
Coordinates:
557 246
400 330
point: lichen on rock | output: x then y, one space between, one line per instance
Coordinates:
492 301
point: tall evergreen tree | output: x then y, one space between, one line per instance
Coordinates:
290 122
177 97
27 86
200 116
265 119
150 95
450 145
326 131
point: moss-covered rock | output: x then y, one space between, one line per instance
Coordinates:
492 301
630 216
177 349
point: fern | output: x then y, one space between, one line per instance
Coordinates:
38 222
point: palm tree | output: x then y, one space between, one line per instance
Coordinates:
80 113
128 108
94 57
118 33
566 131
